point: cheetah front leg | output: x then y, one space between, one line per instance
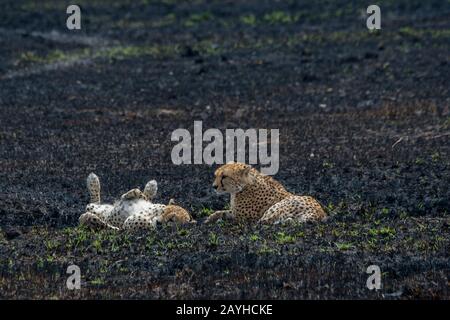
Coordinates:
96 216
94 222
221 214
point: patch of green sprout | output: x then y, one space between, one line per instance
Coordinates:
283 238
343 246
213 239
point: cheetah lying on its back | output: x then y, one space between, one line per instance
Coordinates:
133 211
256 197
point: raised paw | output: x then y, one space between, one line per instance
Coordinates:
133 194
216 216
93 185
150 190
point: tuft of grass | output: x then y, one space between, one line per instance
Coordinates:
344 246
183 232
447 123
171 245
426 33
80 237
150 241
98 281
404 215
30 56
50 245
206 212
117 52
2 237
249 19
197 18
300 234
279 17
383 231
436 156
97 245
410 32
283 238
354 233
123 52
207 47
254 237
265 249
213 239
327 164
53 56
419 161
40 263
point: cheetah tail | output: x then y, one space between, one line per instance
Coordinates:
93 185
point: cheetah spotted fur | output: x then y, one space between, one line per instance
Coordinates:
133 211
256 197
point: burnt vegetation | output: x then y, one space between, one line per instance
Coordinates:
364 128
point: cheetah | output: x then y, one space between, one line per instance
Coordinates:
133 211
258 198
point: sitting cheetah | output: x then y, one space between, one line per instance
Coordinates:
256 197
133 211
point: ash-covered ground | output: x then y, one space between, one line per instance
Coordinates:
364 127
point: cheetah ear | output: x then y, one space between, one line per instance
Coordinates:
246 176
246 170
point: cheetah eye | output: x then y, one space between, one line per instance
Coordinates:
226 177
221 179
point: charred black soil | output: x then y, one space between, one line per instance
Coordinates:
364 127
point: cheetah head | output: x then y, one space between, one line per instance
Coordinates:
232 177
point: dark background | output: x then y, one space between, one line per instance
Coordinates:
364 127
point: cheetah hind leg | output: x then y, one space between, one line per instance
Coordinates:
93 185
133 194
297 208
150 190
